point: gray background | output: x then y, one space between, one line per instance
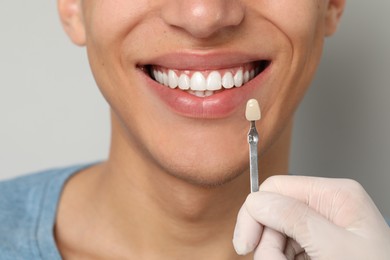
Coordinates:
52 114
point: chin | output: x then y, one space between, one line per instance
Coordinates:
208 175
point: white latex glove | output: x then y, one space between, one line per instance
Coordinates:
311 218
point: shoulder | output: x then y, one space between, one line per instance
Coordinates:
23 204
22 194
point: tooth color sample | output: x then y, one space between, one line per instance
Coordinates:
252 112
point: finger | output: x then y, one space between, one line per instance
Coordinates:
292 249
292 218
271 245
309 190
331 198
247 233
302 256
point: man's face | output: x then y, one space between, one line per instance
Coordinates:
145 54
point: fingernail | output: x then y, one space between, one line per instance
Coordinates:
240 245
241 248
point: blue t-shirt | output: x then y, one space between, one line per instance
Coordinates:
28 207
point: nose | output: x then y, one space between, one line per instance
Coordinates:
203 18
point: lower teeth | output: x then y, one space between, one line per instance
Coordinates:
206 93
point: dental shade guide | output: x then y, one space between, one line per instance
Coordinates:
252 114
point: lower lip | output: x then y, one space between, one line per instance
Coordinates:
219 105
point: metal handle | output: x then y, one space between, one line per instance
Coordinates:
253 140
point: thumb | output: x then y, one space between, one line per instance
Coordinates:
297 220
247 233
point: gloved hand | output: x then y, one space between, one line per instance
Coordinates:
294 217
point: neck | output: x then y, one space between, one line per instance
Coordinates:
158 213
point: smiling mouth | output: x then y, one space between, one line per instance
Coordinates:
205 83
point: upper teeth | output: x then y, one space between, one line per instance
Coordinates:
204 81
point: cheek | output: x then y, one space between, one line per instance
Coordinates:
108 22
301 25
300 21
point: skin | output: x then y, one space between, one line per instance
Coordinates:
175 200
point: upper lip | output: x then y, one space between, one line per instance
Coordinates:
193 60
